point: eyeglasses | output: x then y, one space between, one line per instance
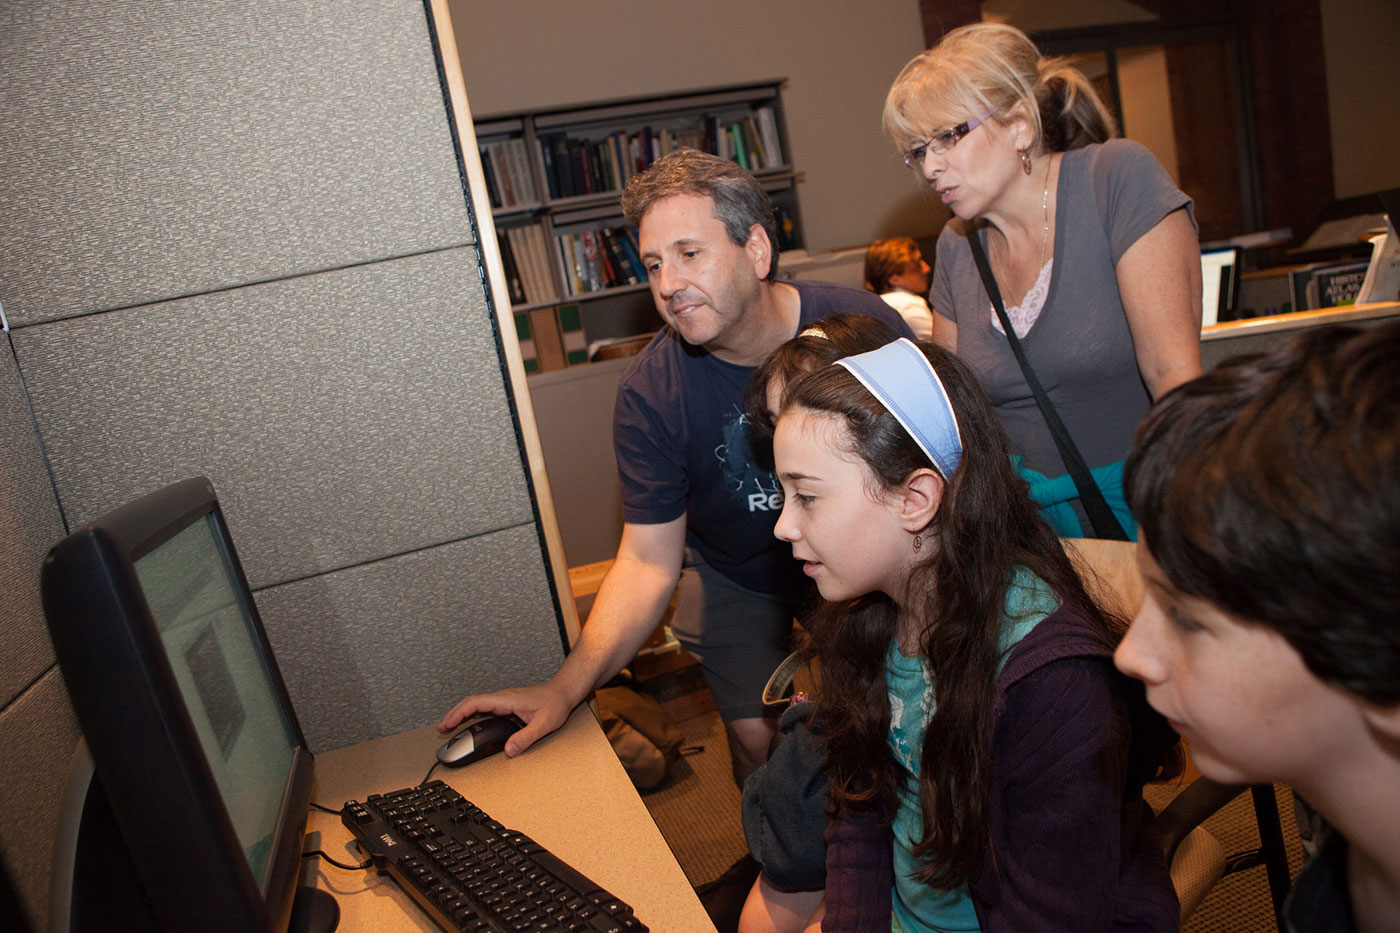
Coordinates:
942 142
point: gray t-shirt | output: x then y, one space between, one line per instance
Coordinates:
1080 346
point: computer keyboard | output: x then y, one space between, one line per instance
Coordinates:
472 874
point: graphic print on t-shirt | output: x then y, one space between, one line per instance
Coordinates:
757 488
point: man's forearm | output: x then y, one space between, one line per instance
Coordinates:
630 603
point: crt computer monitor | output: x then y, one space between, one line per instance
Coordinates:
204 768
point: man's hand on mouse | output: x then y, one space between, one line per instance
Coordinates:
544 707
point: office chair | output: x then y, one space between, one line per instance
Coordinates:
1196 859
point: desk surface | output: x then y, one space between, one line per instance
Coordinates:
568 792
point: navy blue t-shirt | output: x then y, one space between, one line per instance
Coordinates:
681 439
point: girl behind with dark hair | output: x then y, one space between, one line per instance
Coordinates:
819 345
968 695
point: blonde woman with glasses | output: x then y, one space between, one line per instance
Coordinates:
1090 245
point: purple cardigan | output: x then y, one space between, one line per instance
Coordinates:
1073 844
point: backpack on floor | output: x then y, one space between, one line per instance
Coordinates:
643 735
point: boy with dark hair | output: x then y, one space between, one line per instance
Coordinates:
1268 499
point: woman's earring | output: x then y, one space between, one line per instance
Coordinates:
918 542
1025 160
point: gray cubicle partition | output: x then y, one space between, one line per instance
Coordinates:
236 240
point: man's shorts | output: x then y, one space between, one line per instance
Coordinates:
738 634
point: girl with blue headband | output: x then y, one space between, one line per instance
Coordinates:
985 760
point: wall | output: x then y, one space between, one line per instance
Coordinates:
839 57
1363 72
236 243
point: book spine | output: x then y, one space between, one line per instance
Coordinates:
578 266
749 130
541 250
622 270
516 238
768 129
493 187
499 164
590 261
513 283
736 137
634 259
561 264
523 180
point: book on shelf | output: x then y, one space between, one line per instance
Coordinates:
522 179
574 337
1335 285
493 185
540 251
618 259
509 179
580 165
549 343
628 241
606 257
525 339
565 258
503 173
590 261
549 155
1382 281
768 129
531 257
575 273
736 149
515 237
512 271
551 338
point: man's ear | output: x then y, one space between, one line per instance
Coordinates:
760 250
921 496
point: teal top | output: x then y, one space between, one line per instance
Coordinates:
918 907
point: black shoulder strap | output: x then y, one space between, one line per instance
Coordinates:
1100 515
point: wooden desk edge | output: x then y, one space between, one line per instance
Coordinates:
1277 322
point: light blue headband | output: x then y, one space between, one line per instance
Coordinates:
902 379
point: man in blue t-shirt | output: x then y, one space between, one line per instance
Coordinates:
692 494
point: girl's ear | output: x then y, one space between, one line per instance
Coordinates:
922 494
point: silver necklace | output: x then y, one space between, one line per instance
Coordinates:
1044 233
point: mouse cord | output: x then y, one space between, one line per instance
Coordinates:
429 774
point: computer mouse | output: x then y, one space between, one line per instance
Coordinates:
483 736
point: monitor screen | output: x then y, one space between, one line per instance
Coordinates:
194 740
1219 271
223 680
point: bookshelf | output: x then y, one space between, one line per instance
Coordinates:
555 178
